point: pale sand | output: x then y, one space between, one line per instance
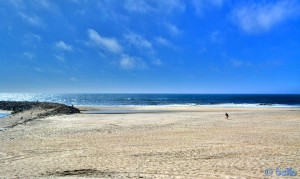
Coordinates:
189 142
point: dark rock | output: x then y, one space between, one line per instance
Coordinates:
51 108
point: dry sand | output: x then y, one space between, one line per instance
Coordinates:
180 142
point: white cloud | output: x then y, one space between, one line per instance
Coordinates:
17 4
138 6
127 62
155 6
45 4
202 5
73 79
32 37
216 37
37 4
262 17
63 46
138 40
172 6
29 55
32 20
173 29
109 44
164 42
157 62
240 63
38 69
31 40
60 58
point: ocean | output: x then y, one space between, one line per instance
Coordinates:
222 100
3 114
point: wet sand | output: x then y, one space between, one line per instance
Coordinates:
180 142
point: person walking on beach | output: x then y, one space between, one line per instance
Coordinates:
227 116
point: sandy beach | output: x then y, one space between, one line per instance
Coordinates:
172 142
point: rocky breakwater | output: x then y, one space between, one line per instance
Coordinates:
24 111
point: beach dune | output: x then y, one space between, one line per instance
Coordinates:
171 142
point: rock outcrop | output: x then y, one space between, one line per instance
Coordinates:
53 108
24 112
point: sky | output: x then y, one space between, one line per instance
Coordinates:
150 46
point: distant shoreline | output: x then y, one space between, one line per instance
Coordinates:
202 100
200 105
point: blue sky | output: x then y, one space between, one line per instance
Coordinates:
150 46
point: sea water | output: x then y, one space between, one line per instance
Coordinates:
3 115
222 100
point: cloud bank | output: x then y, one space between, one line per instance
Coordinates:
261 17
